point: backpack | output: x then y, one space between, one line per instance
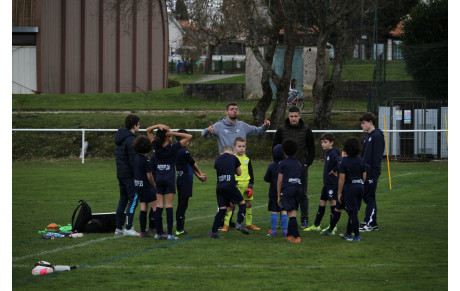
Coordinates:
84 216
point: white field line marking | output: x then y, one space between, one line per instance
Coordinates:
15 259
277 267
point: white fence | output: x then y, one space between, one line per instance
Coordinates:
84 130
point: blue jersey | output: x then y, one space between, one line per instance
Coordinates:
292 173
184 169
225 166
166 159
271 176
353 168
373 147
141 167
331 161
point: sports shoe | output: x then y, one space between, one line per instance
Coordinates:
284 232
374 226
214 235
130 232
345 235
158 236
271 233
253 227
327 232
179 232
118 231
225 228
145 234
172 237
296 240
365 228
333 231
313 228
354 238
304 223
289 238
241 228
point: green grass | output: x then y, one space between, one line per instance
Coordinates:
408 253
235 79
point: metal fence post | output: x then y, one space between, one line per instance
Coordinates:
83 146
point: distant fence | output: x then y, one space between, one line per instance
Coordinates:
422 151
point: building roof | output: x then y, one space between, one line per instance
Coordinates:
399 30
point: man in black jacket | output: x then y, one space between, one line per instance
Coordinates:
124 157
294 128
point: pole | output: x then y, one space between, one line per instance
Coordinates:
447 132
386 146
83 146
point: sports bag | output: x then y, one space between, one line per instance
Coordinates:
83 217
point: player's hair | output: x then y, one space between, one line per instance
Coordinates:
160 137
328 136
179 138
226 149
289 147
368 116
142 144
131 120
239 139
351 146
230 104
294 109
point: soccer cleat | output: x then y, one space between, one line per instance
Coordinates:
225 228
296 240
333 231
284 232
252 226
241 228
354 238
271 233
179 232
313 228
130 232
365 228
374 226
214 235
172 237
158 237
345 235
144 234
304 223
289 238
327 232
118 231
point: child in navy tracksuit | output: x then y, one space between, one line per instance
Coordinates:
289 188
271 176
185 168
352 173
165 152
143 180
227 166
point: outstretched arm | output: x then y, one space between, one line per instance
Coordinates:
185 136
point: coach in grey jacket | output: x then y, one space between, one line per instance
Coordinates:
228 128
294 128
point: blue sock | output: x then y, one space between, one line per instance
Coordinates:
273 221
169 219
284 222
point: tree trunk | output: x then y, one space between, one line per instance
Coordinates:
209 53
320 121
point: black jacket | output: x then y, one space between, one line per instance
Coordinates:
124 153
302 135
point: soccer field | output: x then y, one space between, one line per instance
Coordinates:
409 252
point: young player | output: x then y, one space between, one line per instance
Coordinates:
185 168
330 179
245 183
271 176
373 147
352 173
289 187
227 166
142 179
165 152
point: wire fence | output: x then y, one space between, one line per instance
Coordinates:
421 149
